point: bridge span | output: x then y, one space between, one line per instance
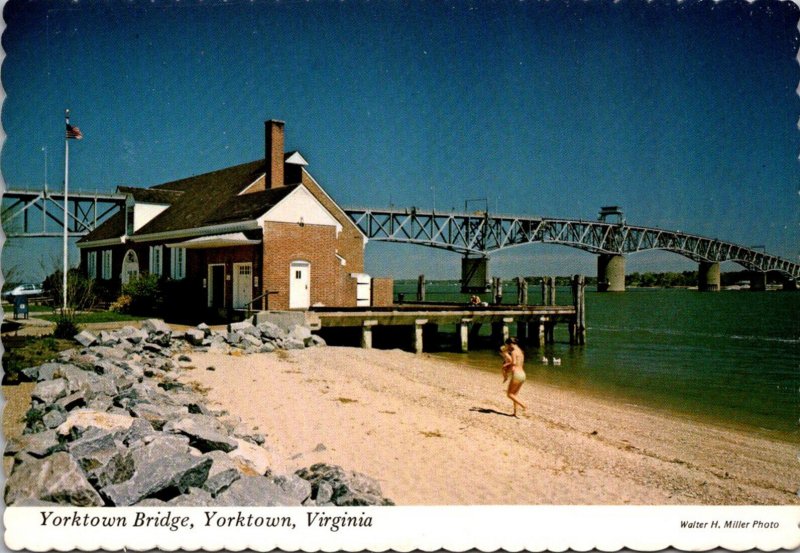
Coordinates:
479 234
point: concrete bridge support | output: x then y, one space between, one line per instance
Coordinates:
758 281
708 277
610 273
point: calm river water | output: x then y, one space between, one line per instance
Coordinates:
731 357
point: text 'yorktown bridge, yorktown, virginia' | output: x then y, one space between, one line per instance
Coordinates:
476 234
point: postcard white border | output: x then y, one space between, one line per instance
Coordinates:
454 528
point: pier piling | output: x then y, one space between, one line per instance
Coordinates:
463 332
522 291
418 325
366 334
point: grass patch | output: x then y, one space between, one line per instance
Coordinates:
28 351
96 317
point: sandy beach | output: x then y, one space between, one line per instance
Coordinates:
435 433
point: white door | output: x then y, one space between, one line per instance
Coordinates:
299 285
242 285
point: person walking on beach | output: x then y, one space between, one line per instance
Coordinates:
513 359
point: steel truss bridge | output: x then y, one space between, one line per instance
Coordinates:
40 213
480 234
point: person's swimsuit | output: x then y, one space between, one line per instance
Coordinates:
518 376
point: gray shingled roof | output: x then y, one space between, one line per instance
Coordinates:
202 200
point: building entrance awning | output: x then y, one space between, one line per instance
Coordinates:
216 241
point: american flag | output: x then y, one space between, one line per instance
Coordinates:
74 132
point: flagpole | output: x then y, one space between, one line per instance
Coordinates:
66 211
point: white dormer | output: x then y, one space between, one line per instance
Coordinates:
138 214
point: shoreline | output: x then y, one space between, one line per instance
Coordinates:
434 433
616 396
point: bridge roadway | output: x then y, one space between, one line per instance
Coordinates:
479 234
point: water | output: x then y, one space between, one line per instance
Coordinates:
732 357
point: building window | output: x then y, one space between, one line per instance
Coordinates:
156 260
106 269
91 265
178 263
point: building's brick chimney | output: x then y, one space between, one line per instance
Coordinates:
273 144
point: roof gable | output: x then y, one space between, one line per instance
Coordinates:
300 206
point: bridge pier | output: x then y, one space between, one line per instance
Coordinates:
610 273
758 281
708 277
790 284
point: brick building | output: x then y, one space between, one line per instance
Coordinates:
263 232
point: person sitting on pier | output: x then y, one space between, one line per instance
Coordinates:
474 300
513 360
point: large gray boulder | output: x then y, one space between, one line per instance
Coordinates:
349 488
56 478
85 338
156 326
291 343
93 449
195 336
271 331
300 333
39 444
240 326
294 486
158 414
163 467
48 391
205 433
222 474
255 491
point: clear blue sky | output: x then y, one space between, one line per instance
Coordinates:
685 115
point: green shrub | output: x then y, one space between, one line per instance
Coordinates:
33 420
66 327
145 293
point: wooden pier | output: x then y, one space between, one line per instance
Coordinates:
534 324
